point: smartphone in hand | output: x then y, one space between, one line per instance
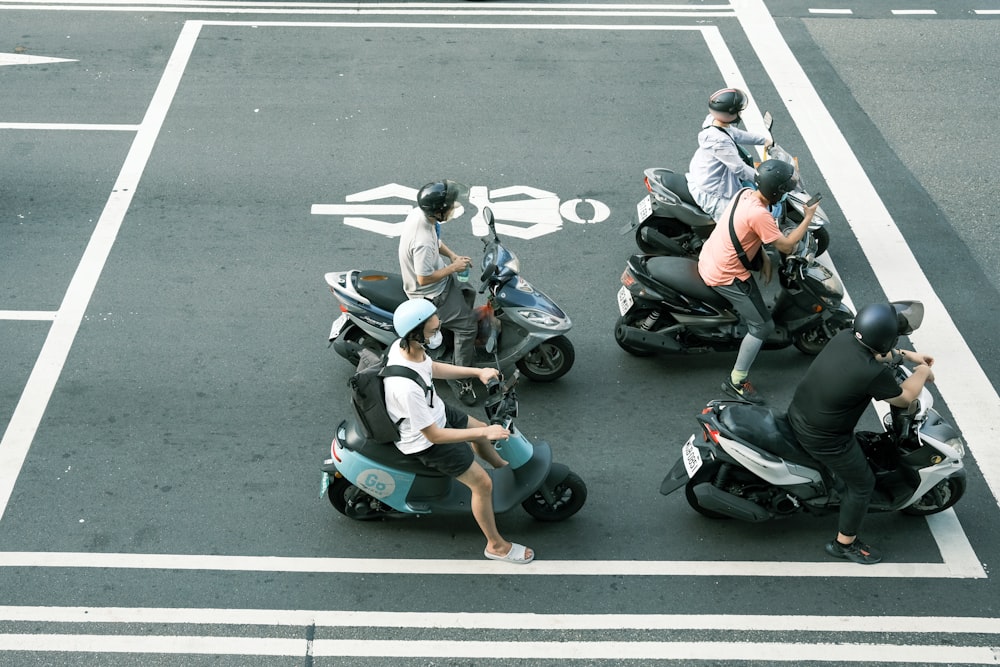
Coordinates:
815 199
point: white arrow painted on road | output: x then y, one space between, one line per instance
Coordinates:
21 59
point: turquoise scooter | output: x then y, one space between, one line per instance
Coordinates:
365 479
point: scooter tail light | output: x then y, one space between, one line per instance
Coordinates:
712 434
333 451
627 278
343 308
645 180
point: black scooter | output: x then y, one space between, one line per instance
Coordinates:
665 306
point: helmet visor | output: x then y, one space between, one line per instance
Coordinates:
909 316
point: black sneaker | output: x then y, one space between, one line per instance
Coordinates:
857 551
743 391
466 393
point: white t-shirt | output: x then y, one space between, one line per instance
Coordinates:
405 399
420 255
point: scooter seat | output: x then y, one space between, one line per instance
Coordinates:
382 288
385 453
677 184
768 430
681 274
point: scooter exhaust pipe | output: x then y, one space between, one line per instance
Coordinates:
649 340
715 499
348 349
655 237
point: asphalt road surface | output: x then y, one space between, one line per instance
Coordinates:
176 181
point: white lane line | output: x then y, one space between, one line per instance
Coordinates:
500 621
555 650
28 315
960 379
49 364
911 12
436 566
830 11
90 127
456 6
202 8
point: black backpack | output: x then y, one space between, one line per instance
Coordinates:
368 395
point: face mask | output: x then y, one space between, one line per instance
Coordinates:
435 341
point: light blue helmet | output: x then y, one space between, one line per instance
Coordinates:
411 314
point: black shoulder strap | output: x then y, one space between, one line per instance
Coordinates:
746 157
740 252
396 370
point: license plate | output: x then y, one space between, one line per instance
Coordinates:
691 456
324 484
338 326
625 300
644 209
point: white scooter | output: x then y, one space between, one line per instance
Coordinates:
750 467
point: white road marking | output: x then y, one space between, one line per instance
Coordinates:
28 315
377 9
959 561
323 618
960 379
616 651
38 389
24 59
910 12
70 126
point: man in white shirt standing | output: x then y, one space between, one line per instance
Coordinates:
427 275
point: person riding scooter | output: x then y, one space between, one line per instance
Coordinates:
730 253
442 437
719 167
829 401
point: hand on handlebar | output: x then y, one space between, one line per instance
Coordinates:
487 374
496 432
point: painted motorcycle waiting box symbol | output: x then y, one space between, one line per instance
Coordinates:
521 211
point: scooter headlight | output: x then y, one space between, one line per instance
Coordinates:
958 444
543 319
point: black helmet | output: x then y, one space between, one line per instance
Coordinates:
877 327
436 199
726 104
774 179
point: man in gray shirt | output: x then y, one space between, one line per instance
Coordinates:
427 275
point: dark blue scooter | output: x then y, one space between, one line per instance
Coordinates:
518 326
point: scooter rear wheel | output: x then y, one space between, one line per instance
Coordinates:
943 495
570 495
350 501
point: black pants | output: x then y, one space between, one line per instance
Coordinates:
851 467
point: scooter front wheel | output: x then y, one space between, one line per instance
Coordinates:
942 495
570 495
549 361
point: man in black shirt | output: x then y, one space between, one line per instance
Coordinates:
847 375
